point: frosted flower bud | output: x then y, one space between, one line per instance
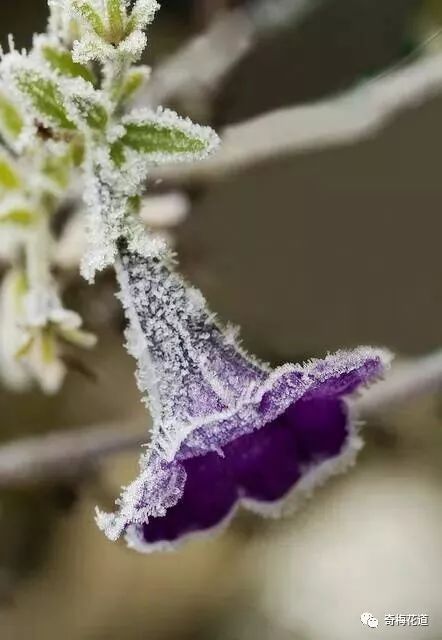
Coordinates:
111 32
32 323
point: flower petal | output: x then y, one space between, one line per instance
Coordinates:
208 498
256 470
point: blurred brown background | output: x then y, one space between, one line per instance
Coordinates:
308 253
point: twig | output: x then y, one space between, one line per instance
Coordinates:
408 381
354 115
65 454
200 65
69 453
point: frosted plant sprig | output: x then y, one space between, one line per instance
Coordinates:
34 176
227 429
66 120
111 31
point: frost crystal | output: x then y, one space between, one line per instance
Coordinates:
227 429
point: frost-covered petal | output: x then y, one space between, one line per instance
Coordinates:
209 398
267 470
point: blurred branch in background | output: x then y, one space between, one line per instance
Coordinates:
409 380
66 454
199 66
352 116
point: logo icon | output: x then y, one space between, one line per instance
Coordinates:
369 620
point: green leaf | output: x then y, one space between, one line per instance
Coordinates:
78 152
91 112
153 137
46 97
62 61
162 137
9 178
117 153
93 19
11 122
132 82
20 215
115 20
58 169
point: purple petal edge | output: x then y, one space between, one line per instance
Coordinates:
267 468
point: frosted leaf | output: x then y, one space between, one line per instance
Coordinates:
135 78
10 179
60 59
89 13
133 46
91 48
36 322
52 171
17 210
162 136
39 89
15 128
42 306
89 108
143 13
109 34
12 372
26 352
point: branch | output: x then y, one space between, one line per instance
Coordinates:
200 65
65 454
408 381
70 453
352 116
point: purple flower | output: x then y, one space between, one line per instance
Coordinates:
228 430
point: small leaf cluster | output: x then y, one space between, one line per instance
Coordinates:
66 118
